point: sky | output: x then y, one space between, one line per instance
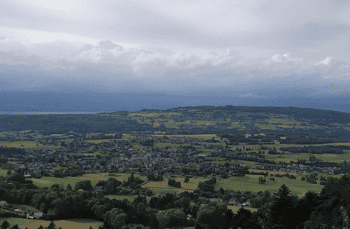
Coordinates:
88 55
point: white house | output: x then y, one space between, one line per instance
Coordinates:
38 215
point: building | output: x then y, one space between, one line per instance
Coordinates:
38 215
3 203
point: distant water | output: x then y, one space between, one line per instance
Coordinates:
47 112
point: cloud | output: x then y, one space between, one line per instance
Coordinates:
110 66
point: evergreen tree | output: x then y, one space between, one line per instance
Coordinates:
283 209
52 225
5 225
69 187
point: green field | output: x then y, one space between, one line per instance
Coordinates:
98 141
64 224
28 145
338 158
251 183
162 186
3 172
247 183
137 146
94 178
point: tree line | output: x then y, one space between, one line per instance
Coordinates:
328 208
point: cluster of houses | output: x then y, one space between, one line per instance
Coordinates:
125 156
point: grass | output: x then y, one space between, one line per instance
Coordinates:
94 178
270 172
251 183
338 158
162 186
137 146
3 172
28 145
247 183
65 224
98 141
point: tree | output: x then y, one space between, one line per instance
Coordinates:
283 209
115 218
171 182
5 225
41 227
8 172
212 215
85 185
43 207
15 227
172 218
52 225
306 206
228 219
242 219
186 179
69 187
206 186
153 221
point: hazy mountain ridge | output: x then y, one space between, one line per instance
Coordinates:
275 120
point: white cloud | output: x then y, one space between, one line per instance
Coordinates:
147 63
325 61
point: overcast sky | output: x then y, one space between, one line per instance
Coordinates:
179 53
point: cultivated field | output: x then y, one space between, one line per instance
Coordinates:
247 183
338 158
162 186
64 224
27 144
94 178
251 183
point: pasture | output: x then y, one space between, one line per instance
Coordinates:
287 157
251 183
64 224
247 183
98 140
162 186
3 172
94 178
28 145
